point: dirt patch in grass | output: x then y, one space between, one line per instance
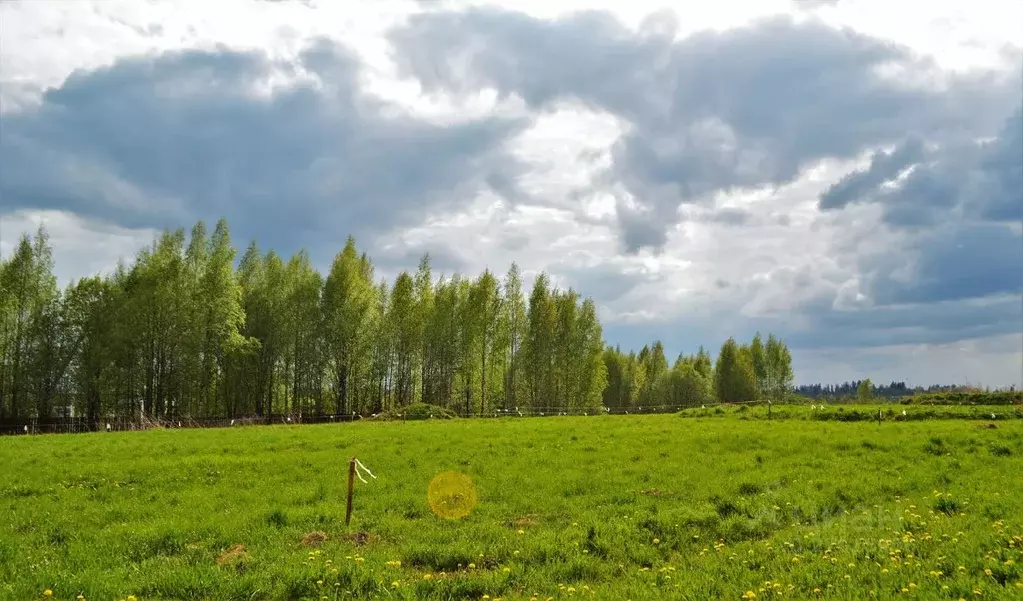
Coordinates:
236 556
314 538
358 538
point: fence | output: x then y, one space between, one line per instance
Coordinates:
74 425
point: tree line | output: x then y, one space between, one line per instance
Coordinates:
190 329
865 388
742 373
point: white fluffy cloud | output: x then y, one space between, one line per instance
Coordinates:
431 126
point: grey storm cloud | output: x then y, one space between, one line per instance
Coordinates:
884 166
161 141
959 208
984 180
713 111
951 263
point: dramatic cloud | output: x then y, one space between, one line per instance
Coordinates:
164 141
715 111
848 175
983 180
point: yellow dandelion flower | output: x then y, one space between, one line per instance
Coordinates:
657 541
506 570
987 572
47 593
427 576
472 566
521 531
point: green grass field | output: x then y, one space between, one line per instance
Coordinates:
608 507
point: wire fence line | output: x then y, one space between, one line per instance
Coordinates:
77 425
74 425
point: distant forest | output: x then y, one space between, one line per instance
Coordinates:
188 329
893 390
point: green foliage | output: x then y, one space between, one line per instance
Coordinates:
182 333
861 413
416 411
975 397
864 391
640 507
645 380
734 377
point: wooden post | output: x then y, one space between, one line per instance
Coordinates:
879 416
351 489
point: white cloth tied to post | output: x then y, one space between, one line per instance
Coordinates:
359 468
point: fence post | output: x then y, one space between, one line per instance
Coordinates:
351 489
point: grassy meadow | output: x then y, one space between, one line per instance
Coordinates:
701 506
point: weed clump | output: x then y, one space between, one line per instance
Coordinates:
277 518
946 505
999 450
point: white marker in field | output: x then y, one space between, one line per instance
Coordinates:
359 468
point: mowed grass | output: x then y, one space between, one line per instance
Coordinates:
606 507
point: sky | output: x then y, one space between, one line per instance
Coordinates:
847 174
